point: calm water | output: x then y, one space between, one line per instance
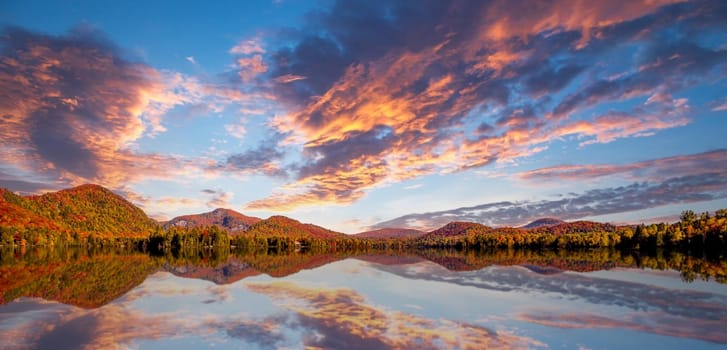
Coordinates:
112 300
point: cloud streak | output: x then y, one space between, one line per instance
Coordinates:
654 169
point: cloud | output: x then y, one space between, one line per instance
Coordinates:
700 187
191 59
250 67
75 107
718 106
236 130
413 187
70 101
336 318
219 198
654 169
392 92
210 198
28 184
288 78
265 159
248 47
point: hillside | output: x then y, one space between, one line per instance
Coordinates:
544 222
83 209
390 233
227 219
287 227
576 227
548 226
16 214
457 228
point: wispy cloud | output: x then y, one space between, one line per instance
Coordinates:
718 106
248 47
288 78
218 198
236 130
650 169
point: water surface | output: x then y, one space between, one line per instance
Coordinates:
365 301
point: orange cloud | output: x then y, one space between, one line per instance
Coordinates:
527 18
247 47
251 67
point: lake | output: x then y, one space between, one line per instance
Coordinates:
71 299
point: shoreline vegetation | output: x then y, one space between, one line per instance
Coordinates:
90 215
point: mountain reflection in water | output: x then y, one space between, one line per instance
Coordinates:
71 299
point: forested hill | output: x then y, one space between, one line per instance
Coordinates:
86 209
230 220
286 227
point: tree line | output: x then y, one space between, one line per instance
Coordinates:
691 232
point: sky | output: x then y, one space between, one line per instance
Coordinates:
356 115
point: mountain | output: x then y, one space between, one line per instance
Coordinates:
579 227
457 228
544 222
391 233
287 227
228 219
550 226
84 209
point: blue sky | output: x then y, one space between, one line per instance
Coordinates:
358 114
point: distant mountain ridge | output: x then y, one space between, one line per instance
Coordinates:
391 233
544 222
227 219
457 228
